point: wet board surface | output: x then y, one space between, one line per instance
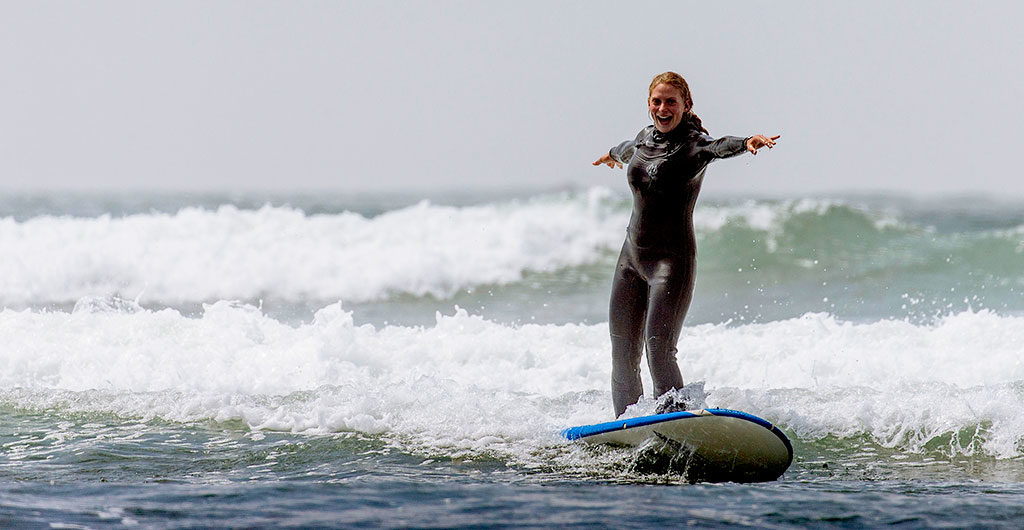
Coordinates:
719 445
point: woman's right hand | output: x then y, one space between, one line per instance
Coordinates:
607 160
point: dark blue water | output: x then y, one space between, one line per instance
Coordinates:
494 502
103 472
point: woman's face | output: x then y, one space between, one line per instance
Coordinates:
666 106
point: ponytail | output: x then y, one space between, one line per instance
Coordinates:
694 121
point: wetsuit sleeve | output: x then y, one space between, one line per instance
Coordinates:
623 152
724 147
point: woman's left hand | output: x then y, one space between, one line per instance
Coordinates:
759 140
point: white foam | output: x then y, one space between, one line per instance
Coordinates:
199 255
202 255
468 385
768 216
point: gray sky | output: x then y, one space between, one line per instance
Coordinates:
919 97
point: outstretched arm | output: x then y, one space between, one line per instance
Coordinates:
607 160
620 154
730 146
759 140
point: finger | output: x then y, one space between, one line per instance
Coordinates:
776 137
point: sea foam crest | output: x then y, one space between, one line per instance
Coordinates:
469 384
779 223
203 255
198 255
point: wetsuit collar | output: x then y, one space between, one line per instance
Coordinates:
681 131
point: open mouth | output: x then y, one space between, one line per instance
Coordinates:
663 120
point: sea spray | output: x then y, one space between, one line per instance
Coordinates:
759 260
878 332
470 384
228 253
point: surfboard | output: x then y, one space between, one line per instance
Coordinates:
717 445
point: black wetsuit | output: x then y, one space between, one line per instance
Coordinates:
653 281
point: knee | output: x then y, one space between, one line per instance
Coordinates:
625 344
626 353
625 376
661 348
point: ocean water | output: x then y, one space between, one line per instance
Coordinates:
398 360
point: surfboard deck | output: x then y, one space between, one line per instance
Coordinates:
719 445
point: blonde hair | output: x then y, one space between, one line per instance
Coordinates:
675 80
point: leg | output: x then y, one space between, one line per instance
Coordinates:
671 291
626 323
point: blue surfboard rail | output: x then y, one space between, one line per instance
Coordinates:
576 433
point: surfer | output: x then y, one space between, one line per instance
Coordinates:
654 277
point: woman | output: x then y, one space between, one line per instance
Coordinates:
653 281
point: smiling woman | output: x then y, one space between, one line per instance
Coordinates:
654 277
670 101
